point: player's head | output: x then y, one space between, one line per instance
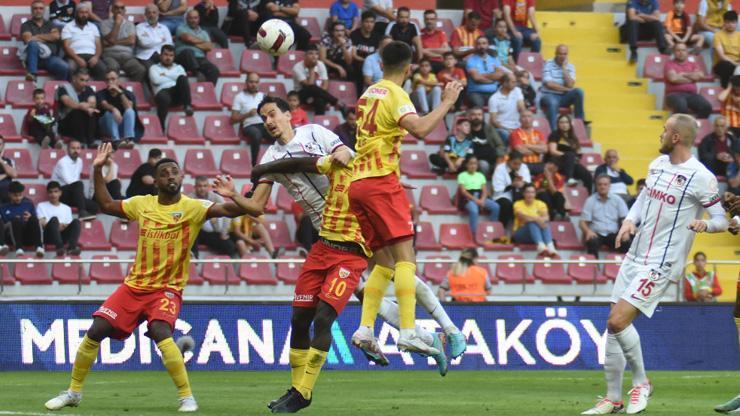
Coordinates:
700 261
275 113
202 186
679 132
396 58
729 21
15 192
168 177
53 192
603 183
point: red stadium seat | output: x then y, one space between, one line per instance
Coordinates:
488 266
15 24
576 197
286 62
532 62
50 90
8 129
4 34
444 24
218 129
10 64
438 135
124 235
168 153
312 25
284 200
184 130
584 273
224 62
710 93
142 103
92 236
425 238
32 273
435 199
203 96
200 162
513 273
19 94
414 164
23 162
87 156
236 163
48 158
591 161
152 130
691 6
329 122
564 235
274 89
135 18
456 236
128 161
437 271
708 76
36 192
219 273
654 66
257 273
490 231
344 91
543 126
280 235
579 128
229 91
105 272
256 60
551 273
96 85
69 273
612 270
194 278
6 278
288 272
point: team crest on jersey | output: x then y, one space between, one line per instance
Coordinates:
169 295
176 215
343 273
311 147
680 181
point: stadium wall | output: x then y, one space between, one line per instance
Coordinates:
249 336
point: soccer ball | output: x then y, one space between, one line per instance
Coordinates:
275 37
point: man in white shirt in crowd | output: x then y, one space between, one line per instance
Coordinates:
601 218
506 106
55 218
311 80
508 181
215 231
151 36
67 172
244 112
81 43
119 39
170 84
192 42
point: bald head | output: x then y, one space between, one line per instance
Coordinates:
561 54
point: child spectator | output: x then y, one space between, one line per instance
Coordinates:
524 82
454 150
451 72
550 184
40 119
250 234
501 44
531 222
20 214
298 116
678 28
701 285
473 194
426 87
56 219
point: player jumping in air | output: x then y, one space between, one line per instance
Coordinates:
169 222
384 114
665 216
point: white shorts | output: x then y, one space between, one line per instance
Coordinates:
640 285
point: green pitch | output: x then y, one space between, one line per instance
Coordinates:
372 393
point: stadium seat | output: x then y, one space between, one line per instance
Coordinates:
705 128
611 270
710 93
487 232
591 161
532 62
444 24
219 273
256 60
224 62
218 129
275 89
169 154
194 278
699 59
329 122
135 18
551 273
286 62
564 235
48 158
87 156
312 25
284 200
32 273
92 236
257 273
152 130
414 165
236 163
229 91
69 273
654 66
15 24
288 272
344 91
576 196
200 162
8 129
456 236
203 96
281 237
543 126
142 104
579 129
128 160
10 64
23 162
6 277
513 273
489 268
425 238
19 94
4 34
96 85
436 272
585 273
438 135
184 130
105 272
435 199
50 90
36 192
124 235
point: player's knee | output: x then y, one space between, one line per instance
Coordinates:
99 330
301 319
616 323
323 321
159 331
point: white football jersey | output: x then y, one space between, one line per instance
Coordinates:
674 196
308 189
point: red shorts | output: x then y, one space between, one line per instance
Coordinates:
330 275
127 307
382 209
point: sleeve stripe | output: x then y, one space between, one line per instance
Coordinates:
407 114
269 182
712 202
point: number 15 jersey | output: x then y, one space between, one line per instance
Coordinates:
379 133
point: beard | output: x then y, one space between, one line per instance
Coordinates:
80 22
170 190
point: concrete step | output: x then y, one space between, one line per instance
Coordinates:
574 19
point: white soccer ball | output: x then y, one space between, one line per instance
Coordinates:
275 37
185 343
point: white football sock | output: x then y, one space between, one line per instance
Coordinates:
629 340
389 313
614 368
430 302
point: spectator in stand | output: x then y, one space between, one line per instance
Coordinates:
41 40
531 222
286 10
426 89
171 13
730 99
100 10
564 150
640 185
601 218
508 180
559 90
520 18
208 17
506 106
7 173
20 215
335 51
550 185
119 119
451 72
249 234
244 112
311 80
55 218
717 149
454 150
466 281
733 175
298 116
404 31
487 145
484 73
68 172
620 178
681 76
433 41
502 45
81 43
119 39
701 285
191 44
40 121
464 39
709 18
383 11
365 40
170 84
488 10
61 12
372 70
347 12
678 28
643 23
142 180
727 48
77 109
529 142
472 191
524 81
110 176
151 36
347 131
215 231
242 19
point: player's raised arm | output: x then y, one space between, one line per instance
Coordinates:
420 127
108 205
224 186
299 164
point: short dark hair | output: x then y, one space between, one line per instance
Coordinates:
312 47
164 161
168 48
735 80
293 93
603 176
53 185
729 16
367 15
154 153
281 104
16 187
38 91
80 71
335 24
529 185
430 11
461 120
425 60
473 15
403 9
396 55
641 182
514 155
699 253
201 178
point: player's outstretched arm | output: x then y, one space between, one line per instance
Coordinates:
420 127
107 204
285 166
224 186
